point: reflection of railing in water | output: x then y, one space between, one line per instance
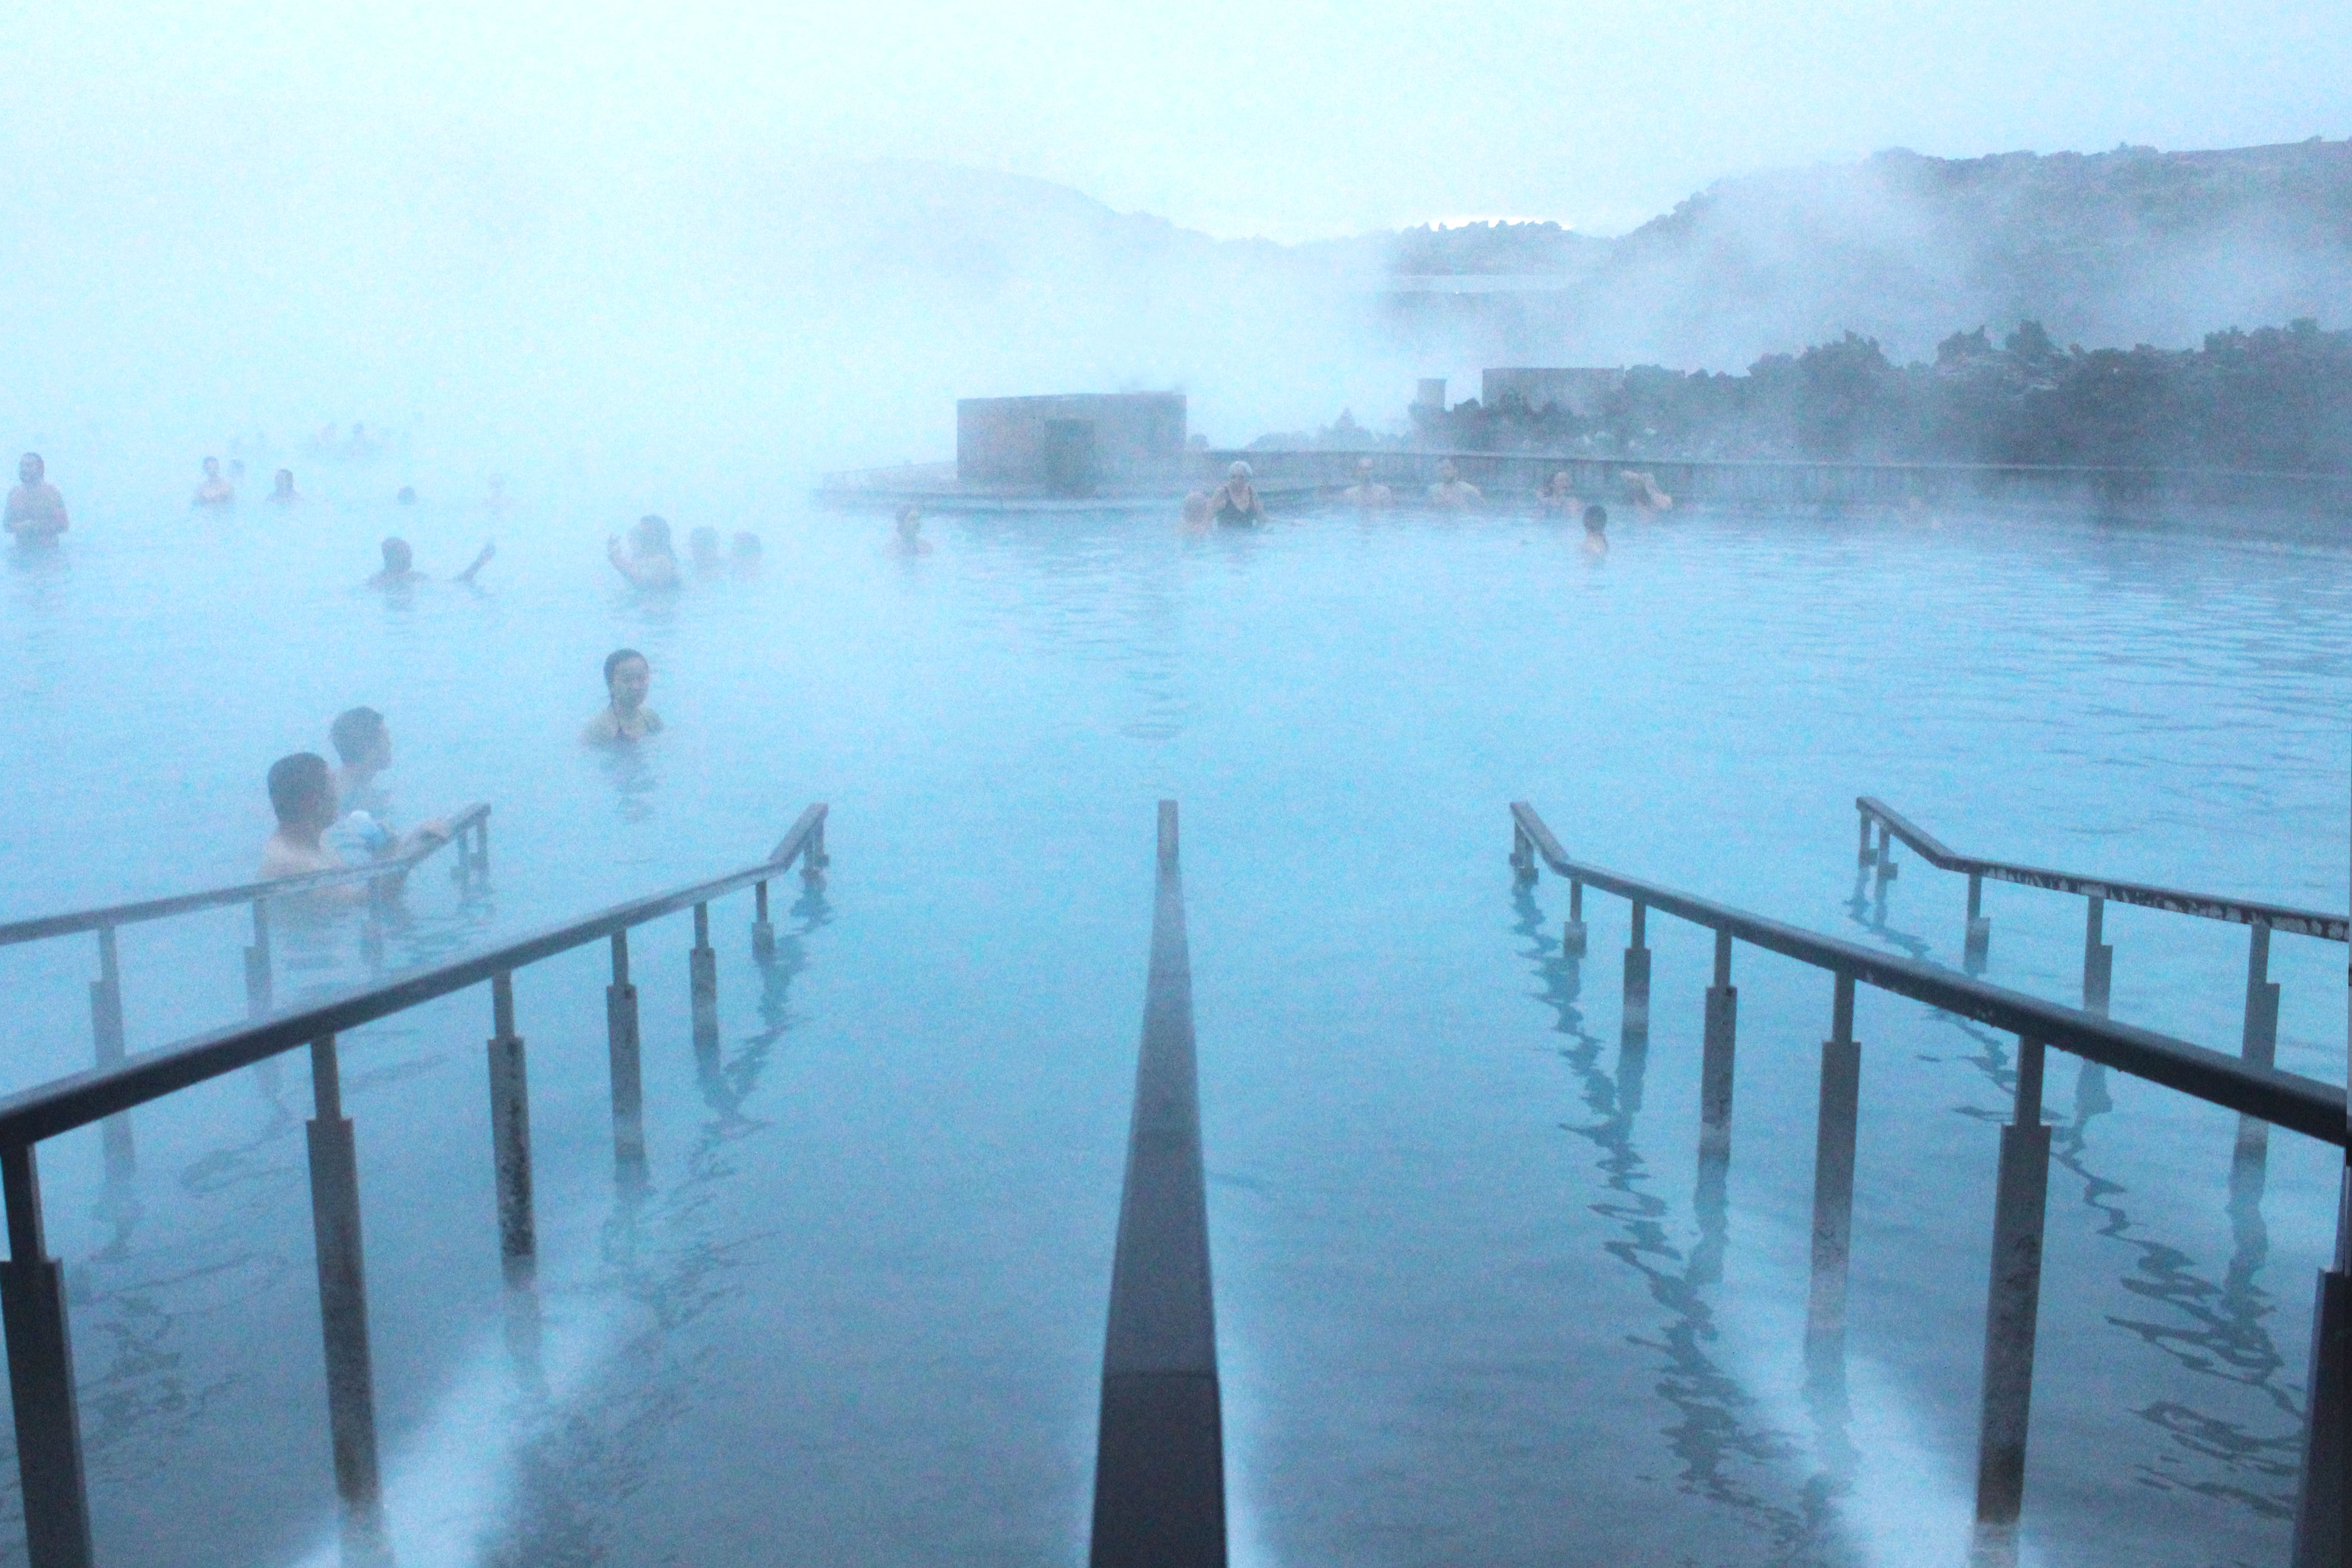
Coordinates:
1159 1477
2258 1042
469 831
32 1284
1713 1428
2225 1338
2313 1109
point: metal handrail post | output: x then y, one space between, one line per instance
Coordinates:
2258 1043
41 1379
1636 1025
1977 945
106 1031
342 1309
2098 959
2012 1304
1715 1057
1833 1162
763 934
628 1082
2321 1530
702 987
511 1136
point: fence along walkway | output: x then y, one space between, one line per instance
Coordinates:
32 1284
2013 1294
1159 1469
469 835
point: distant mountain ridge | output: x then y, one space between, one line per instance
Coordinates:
2122 247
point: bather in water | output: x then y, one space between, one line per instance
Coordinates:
215 491
1235 503
1452 492
1596 530
649 562
1558 494
625 717
909 540
37 512
399 570
1368 494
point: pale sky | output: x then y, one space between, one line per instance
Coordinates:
1288 121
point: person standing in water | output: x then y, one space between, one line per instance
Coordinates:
302 794
911 540
1557 495
281 492
215 491
1368 494
1452 492
625 717
37 512
399 566
649 562
364 829
1235 503
1596 530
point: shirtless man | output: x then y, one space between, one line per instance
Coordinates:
624 718
36 512
1367 494
302 794
1451 492
1557 495
1235 502
1643 490
1596 530
216 490
282 489
649 562
363 828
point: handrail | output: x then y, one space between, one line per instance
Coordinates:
52 1476
41 926
79 1098
2251 1087
2284 1099
2205 905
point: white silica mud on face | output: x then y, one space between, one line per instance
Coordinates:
1475 1305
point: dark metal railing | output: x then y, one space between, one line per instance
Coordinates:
32 1294
469 832
1160 1476
2255 1089
2258 1040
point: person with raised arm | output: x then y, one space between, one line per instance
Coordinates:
650 563
215 491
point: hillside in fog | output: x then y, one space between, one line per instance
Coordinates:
2112 248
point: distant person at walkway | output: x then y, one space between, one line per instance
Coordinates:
703 548
911 540
282 489
1367 494
1235 503
1596 530
1643 490
649 562
1452 492
1557 495
625 717
215 491
37 512
743 554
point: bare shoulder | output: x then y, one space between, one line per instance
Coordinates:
601 730
653 720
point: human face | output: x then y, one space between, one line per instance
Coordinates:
1448 472
28 469
212 468
631 681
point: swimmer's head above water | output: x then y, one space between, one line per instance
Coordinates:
302 792
30 469
362 739
651 536
910 520
1240 471
627 677
397 557
1596 518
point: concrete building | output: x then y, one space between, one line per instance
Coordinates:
1072 445
1580 392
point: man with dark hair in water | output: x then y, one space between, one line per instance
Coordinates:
282 493
1596 530
216 490
625 717
363 828
36 512
302 794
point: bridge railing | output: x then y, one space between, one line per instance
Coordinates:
32 1284
470 837
2254 1089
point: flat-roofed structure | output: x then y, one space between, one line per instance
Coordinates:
1579 390
1074 444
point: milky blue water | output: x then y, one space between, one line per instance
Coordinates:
1468 1310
